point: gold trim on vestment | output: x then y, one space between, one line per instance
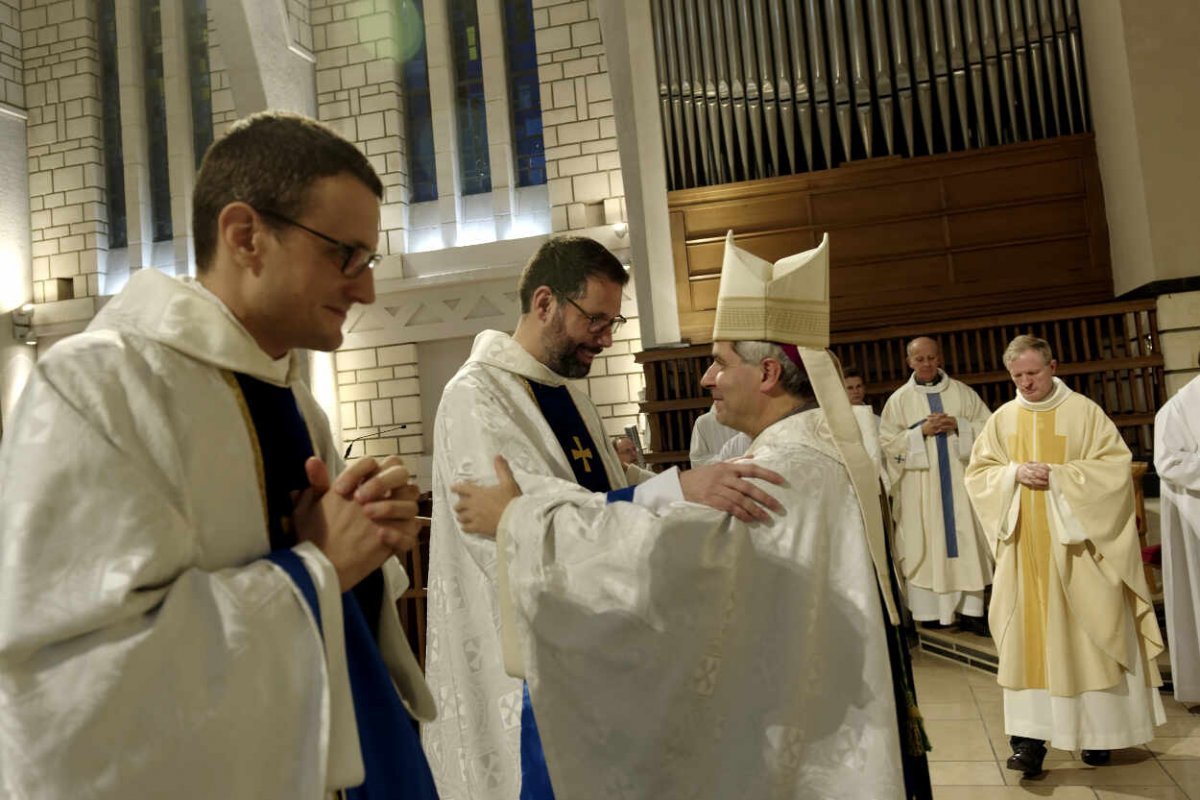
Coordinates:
255 446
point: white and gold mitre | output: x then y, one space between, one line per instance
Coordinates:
785 302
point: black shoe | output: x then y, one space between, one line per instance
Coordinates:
1096 758
931 625
1027 756
975 625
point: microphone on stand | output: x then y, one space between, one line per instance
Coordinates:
377 433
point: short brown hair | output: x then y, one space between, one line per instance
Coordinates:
1024 342
269 160
564 264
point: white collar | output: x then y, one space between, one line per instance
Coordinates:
499 349
1057 397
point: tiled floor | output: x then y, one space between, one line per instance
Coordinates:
965 721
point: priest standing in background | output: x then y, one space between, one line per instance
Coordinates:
682 653
514 396
1071 613
1177 460
928 427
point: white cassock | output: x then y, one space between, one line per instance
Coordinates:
708 437
487 409
1177 460
945 570
685 654
147 647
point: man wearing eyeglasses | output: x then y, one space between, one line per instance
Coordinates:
189 606
514 397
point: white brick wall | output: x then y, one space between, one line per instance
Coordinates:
12 79
62 89
359 95
377 389
577 117
224 112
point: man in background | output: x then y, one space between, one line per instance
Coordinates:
1071 613
1177 460
929 425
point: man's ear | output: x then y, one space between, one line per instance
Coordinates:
239 233
541 304
771 371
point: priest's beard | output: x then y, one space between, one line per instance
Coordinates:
562 350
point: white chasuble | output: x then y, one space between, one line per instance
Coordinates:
686 655
1177 460
147 647
487 409
1071 612
939 547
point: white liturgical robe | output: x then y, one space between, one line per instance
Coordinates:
1071 614
954 564
685 654
487 409
147 647
1177 460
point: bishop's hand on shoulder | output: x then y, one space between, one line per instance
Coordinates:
724 486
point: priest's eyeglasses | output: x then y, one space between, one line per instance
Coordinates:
355 260
597 323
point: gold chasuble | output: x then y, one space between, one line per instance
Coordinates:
1070 611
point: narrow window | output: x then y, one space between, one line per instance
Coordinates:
156 121
199 76
114 158
525 98
474 162
422 163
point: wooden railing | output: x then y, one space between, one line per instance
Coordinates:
1109 352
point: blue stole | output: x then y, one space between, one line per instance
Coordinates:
943 451
395 764
583 455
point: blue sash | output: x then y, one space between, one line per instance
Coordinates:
396 768
583 455
943 451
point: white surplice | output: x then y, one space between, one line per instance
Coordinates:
1177 460
486 410
937 584
147 649
685 654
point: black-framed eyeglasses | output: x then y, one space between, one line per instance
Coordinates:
355 260
597 323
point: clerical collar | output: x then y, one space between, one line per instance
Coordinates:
1056 397
934 386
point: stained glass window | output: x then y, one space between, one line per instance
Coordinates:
422 161
474 162
156 120
114 156
525 99
199 76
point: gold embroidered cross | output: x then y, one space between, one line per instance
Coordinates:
581 453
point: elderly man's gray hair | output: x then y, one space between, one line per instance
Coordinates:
793 379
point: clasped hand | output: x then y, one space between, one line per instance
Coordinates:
1034 474
365 516
939 423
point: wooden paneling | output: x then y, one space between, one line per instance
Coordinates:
1012 228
